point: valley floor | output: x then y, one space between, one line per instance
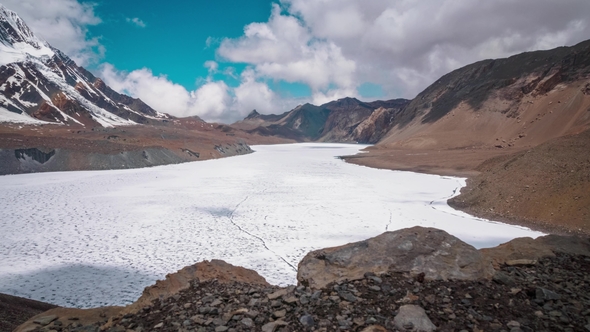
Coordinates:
95 237
544 188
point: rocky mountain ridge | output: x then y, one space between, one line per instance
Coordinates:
342 120
40 84
530 285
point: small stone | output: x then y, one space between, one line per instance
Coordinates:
279 313
375 288
221 329
277 294
347 296
371 320
239 311
247 322
307 321
410 297
290 299
187 305
545 294
513 323
216 303
376 280
270 327
45 320
516 262
414 315
159 325
502 278
539 313
304 300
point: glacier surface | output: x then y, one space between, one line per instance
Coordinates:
92 238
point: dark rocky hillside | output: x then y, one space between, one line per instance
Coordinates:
336 121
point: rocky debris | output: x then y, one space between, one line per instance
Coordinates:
414 251
551 295
215 269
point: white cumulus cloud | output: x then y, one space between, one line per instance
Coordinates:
136 21
213 101
334 46
284 49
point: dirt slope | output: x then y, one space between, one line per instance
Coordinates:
25 149
547 186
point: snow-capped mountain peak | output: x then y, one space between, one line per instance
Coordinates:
17 40
40 84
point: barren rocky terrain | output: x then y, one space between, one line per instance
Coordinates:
534 285
38 148
545 187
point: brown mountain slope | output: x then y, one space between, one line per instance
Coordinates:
523 101
547 186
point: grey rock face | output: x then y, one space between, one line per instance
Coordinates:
437 254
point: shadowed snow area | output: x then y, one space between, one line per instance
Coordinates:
263 211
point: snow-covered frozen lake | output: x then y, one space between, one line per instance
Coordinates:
96 238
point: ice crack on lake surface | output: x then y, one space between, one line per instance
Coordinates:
96 238
231 219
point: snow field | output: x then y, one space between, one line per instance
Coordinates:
94 238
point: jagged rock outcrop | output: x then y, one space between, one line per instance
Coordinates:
373 128
414 251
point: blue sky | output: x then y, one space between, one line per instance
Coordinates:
221 59
171 38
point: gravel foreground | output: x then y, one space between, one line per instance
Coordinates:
549 295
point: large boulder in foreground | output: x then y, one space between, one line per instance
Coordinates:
175 282
203 271
415 250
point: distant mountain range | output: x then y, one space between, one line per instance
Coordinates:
343 120
522 100
38 83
